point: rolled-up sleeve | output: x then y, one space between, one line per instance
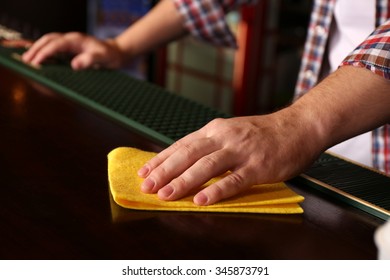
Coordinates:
373 53
205 19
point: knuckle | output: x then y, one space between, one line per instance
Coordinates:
161 171
158 175
236 179
176 145
186 149
218 192
209 162
163 175
74 35
180 182
227 187
236 184
216 122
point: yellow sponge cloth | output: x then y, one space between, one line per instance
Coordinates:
123 164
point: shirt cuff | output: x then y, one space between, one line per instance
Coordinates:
206 21
373 53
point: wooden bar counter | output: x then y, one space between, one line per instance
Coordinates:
55 201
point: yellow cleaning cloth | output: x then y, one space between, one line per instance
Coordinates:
123 164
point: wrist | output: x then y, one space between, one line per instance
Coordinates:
314 125
120 57
308 130
351 101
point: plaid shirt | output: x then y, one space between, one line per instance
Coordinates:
205 20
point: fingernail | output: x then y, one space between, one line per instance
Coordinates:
143 172
165 192
201 199
148 185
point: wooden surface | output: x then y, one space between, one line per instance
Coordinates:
55 202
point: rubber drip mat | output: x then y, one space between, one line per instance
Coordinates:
165 117
151 110
356 185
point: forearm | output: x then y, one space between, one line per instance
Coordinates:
160 26
350 101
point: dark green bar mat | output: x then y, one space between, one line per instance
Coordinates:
148 109
356 185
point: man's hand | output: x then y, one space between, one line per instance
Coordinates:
260 149
89 51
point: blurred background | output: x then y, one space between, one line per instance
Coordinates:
259 77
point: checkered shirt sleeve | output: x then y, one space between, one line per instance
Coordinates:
374 52
205 19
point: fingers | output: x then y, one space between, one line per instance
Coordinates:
190 163
173 162
183 167
54 43
229 186
83 61
88 51
43 48
206 167
162 156
95 54
198 174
